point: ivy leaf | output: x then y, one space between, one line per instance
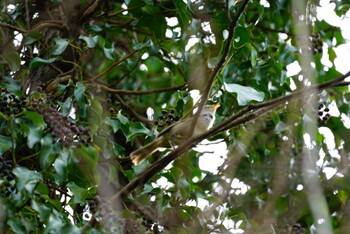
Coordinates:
11 57
61 166
140 45
79 193
184 14
253 54
36 118
109 53
79 91
37 62
122 118
91 42
60 47
48 152
155 22
33 134
42 209
13 85
115 124
241 36
26 179
5 143
244 94
133 130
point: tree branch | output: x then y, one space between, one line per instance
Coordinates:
140 92
3 25
113 65
131 110
247 114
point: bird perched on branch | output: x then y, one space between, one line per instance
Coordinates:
177 133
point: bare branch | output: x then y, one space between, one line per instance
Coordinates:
114 64
140 92
3 25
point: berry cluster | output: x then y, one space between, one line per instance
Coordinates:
316 43
52 188
63 130
114 107
167 118
323 114
113 112
290 229
8 185
10 103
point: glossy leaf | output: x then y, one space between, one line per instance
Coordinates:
60 47
244 94
37 62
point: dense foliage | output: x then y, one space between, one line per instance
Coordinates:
84 83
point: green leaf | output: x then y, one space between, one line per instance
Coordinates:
95 115
10 56
140 45
66 106
122 118
17 225
36 118
5 143
155 21
244 94
253 54
48 152
26 180
241 36
37 62
90 41
115 124
109 53
184 15
13 85
43 210
33 136
60 47
219 23
61 166
79 194
79 91
134 130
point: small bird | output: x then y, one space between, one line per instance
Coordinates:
177 133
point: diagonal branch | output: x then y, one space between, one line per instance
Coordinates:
247 114
114 64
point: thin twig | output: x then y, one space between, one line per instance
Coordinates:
140 92
3 25
131 110
114 64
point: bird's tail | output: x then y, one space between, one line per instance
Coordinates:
141 154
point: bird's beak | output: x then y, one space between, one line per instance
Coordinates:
216 106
